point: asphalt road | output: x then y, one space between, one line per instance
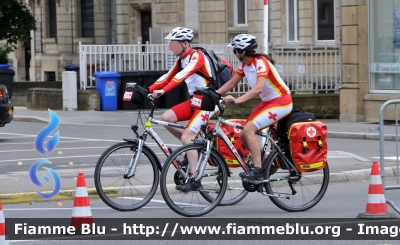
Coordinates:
342 200
81 145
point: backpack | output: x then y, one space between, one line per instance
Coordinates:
233 135
221 70
294 117
308 145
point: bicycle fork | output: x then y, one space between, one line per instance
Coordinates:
202 163
134 160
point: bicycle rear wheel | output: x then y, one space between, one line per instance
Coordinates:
308 187
235 191
118 192
193 203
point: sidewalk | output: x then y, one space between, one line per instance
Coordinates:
341 171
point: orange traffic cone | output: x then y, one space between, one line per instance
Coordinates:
3 232
376 205
81 213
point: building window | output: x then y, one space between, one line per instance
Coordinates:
292 11
240 10
52 18
192 14
87 13
325 20
384 46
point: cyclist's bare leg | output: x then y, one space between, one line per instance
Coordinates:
249 138
187 137
169 116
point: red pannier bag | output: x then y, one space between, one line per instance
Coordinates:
233 135
308 145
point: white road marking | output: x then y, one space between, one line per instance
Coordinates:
75 148
347 155
343 154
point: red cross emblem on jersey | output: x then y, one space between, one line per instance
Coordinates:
311 132
194 58
272 116
259 68
204 117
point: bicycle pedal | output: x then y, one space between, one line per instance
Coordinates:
260 188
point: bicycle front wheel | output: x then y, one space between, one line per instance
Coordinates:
118 192
235 191
193 203
295 192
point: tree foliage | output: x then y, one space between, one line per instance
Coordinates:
15 23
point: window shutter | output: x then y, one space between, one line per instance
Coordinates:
53 18
192 14
87 18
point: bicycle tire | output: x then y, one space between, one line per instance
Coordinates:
126 194
235 191
193 203
313 186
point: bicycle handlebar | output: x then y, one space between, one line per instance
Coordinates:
150 96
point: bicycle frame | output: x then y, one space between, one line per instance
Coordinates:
220 133
142 139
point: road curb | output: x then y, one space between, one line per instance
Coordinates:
29 119
361 136
34 197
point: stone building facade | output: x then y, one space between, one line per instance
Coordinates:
61 25
293 25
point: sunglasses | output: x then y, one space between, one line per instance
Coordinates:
239 51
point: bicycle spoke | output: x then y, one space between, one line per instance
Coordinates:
309 187
196 202
118 192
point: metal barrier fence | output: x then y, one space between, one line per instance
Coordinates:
382 149
316 70
304 71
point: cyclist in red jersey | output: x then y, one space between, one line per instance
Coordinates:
191 62
264 81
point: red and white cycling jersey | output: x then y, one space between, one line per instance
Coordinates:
275 87
191 63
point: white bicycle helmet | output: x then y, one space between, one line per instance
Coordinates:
180 34
244 42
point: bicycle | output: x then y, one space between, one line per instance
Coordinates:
127 173
278 184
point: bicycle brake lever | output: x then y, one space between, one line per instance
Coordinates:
135 129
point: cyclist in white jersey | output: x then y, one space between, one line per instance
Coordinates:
191 62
